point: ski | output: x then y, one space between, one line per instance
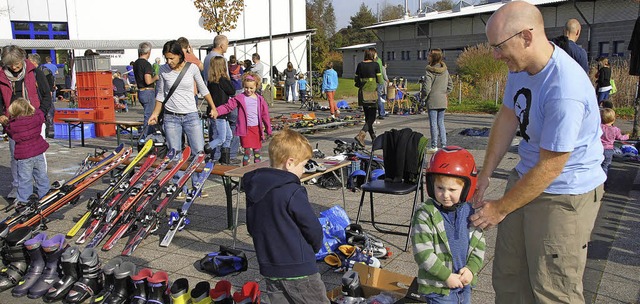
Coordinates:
113 185
98 211
113 215
178 219
33 215
152 193
148 221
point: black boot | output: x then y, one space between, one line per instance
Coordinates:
91 282
109 279
122 287
14 255
180 291
200 294
140 286
157 286
71 274
225 156
52 249
36 265
209 151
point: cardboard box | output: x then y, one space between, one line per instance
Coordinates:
376 280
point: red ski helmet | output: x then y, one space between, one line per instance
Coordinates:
453 161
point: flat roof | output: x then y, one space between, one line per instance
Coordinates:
357 46
258 39
91 44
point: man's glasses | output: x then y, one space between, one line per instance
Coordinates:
498 47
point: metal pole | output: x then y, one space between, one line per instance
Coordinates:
459 89
497 90
270 47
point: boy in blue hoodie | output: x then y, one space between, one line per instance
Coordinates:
285 230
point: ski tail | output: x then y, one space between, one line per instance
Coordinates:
72 232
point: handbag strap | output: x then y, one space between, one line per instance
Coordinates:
175 83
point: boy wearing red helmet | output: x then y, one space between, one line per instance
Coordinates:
448 251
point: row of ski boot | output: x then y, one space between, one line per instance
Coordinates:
220 294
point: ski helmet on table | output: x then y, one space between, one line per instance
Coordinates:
457 162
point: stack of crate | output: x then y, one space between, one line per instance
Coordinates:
95 90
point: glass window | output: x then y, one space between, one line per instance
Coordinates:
419 55
618 48
60 37
393 55
402 55
41 26
408 57
603 49
21 26
44 37
22 36
59 27
425 54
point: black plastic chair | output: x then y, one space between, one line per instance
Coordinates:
393 188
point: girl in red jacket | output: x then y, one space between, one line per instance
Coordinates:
24 127
253 117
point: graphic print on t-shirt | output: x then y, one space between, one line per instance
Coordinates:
523 109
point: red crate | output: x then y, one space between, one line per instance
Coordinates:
91 80
95 92
95 102
106 113
73 113
103 130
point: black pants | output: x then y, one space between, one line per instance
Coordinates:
369 118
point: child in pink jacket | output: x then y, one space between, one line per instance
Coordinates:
610 133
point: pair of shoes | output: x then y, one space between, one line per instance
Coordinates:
221 293
380 117
13 193
250 293
149 287
432 150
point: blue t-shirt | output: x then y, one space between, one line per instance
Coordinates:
302 84
52 67
558 111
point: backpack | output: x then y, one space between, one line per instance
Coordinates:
49 75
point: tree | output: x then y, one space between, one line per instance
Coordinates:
320 16
219 15
443 5
391 12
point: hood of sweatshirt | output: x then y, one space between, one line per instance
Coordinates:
438 68
259 182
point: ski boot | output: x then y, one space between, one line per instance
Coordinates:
91 282
71 274
157 286
52 249
180 291
109 279
122 288
140 286
35 266
249 294
14 255
221 294
200 294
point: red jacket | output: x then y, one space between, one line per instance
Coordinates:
241 124
29 82
25 131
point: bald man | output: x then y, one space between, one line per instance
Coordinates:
572 31
553 194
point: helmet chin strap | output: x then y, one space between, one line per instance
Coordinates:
441 206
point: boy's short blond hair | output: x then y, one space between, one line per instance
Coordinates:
607 115
21 107
440 177
288 144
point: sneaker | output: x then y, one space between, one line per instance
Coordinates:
319 167
13 193
432 150
380 117
310 168
337 112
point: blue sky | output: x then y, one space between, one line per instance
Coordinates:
344 9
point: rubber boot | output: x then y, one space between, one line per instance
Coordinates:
36 265
140 286
109 279
71 274
122 287
52 249
90 283
360 138
180 291
225 156
157 286
221 294
200 294
14 255
249 294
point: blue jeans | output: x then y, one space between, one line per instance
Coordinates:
457 296
30 169
189 124
602 96
608 156
235 141
223 133
436 123
292 88
147 99
381 100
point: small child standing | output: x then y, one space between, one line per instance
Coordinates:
253 117
610 133
220 87
302 86
285 230
25 128
449 253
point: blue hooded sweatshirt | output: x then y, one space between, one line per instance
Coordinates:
285 230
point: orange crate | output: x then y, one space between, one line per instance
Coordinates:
105 113
91 80
103 130
95 92
95 102
73 113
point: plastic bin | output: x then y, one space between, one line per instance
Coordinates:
61 131
92 80
80 113
95 92
93 63
106 113
103 130
95 102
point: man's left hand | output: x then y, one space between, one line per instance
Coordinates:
213 114
488 216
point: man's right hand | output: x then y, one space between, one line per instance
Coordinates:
153 120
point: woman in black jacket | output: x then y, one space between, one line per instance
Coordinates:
603 79
367 78
221 88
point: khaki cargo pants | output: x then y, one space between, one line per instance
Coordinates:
541 249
